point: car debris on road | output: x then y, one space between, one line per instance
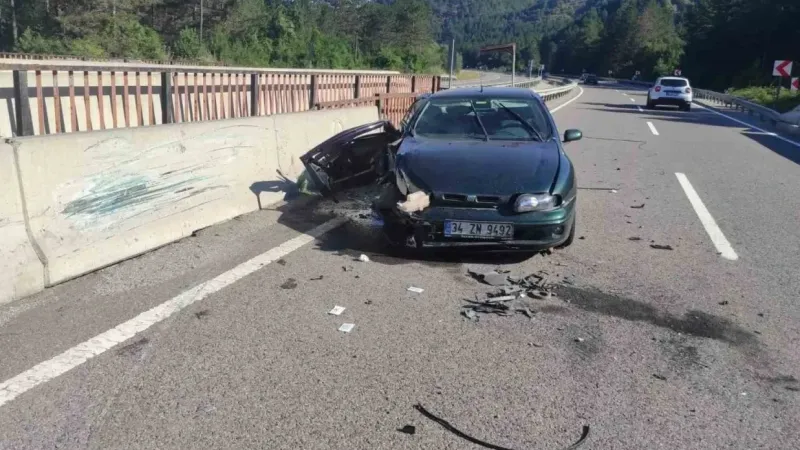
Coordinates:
337 310
661 247
416 290
449 427
347 327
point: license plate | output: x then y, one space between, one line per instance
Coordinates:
478 230
672 93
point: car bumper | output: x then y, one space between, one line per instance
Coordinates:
675 101
532 231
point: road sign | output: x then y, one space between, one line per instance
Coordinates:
795 84
782 68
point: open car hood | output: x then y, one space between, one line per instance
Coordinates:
352 158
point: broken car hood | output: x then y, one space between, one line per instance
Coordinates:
479 167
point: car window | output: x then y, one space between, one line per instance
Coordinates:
674 83
419 103
499 119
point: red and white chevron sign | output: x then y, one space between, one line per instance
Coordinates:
795 84
782 68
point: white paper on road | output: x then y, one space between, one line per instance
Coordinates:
347 327
337 310
416 289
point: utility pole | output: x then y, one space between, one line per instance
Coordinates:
14 32
452 63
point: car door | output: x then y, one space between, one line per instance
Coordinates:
355 157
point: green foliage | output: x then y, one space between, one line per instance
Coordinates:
32 42
765 95
344 34
189 46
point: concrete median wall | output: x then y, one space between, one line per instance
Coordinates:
21 271
97 198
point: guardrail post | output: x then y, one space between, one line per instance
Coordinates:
24 125
167 112
312 95
413 83
357 87
254 94
388 84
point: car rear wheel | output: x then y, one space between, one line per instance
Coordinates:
687 107
650 104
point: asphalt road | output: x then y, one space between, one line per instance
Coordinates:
690 348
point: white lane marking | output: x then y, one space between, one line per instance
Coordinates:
640 108
652 128
58 365
723 246
768 133
570 101
633 99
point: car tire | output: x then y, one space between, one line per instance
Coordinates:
571 236
687 107
650 104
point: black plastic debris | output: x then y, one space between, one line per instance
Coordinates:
660 377
634 238
637 206
291 283
723 303
281 262
661 247
449 427
408 429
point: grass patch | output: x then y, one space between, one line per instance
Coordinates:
468 75
765 95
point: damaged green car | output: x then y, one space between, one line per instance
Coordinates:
479 168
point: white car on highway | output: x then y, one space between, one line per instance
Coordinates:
674 91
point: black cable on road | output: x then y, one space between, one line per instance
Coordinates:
447 426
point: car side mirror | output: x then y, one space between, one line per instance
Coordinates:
572 135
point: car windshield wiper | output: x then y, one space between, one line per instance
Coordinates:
519 118
477 117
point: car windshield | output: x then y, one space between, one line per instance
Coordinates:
494 119
674 83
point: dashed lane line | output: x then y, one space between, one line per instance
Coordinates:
652 128
724 247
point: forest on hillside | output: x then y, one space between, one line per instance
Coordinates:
718 43
343 34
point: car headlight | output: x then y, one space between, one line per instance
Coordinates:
536 202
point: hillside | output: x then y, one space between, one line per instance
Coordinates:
651 36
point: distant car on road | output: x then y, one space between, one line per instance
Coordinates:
674 91
591 79
468 168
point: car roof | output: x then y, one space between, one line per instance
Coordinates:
487 92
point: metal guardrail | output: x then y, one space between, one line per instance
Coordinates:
62 97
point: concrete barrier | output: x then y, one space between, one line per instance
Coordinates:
97 198
308 129
21 271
